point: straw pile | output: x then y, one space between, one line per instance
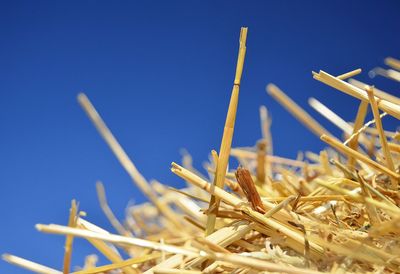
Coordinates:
336 211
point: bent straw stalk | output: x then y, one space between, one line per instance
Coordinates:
333 211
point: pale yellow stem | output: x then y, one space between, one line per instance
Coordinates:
223 156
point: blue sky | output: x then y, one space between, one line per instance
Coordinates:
160 73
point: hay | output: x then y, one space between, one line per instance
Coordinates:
332 212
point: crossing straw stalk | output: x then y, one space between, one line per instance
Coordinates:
336 211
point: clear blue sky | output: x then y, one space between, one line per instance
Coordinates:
160 73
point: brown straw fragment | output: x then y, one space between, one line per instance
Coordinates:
246 183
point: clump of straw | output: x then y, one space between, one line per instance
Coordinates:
332 212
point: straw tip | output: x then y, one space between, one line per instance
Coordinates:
323 137
81 96
352 81
6 256
243 35
243 30
369 89
388 60
270 88
312 100
174 166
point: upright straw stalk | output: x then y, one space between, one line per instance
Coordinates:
227 136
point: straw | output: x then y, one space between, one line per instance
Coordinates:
331 211
228 134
